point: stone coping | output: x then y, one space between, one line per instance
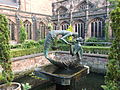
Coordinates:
67 52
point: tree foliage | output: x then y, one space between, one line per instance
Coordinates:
107 31
5 60
70 28
23 33
112 78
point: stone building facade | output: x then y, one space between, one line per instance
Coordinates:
88 17
28 11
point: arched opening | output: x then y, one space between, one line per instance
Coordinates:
54 26
28 28
79 27
42 28
97 28
83 5
64 25
12 30
61 10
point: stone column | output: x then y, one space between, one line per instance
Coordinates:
86 19
71 10
34 28
58 24
17 27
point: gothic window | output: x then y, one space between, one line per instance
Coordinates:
54 26
42 28
61 10
79 27
28 28
12 30
83 5
64 26
97 28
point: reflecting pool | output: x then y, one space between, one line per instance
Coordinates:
92 81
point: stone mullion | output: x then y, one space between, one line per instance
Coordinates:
40 30
93 29
101 29
32 33
97 28
83 30
80 29
28 31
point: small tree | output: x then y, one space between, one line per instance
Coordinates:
112 78
70 28
23 33
5 61
50 27
107 31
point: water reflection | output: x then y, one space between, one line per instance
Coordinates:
92 81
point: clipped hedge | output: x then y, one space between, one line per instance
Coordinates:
16 46
96 50
88 49
23 52
62 47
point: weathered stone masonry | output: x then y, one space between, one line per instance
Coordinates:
97 63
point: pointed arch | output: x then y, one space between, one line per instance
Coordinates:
42 30
62 10
54 26
28 27
12 29
64 25
79 27
82 5
97 27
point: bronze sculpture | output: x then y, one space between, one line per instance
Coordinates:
75 47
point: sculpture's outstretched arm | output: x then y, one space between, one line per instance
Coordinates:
63 38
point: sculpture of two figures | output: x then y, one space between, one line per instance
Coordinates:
75 47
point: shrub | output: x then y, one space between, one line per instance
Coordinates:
30 44
61 47
112 78
41 42
70 28
94 39
5 60
15 46
23 52
23 33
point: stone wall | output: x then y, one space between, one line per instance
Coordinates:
26 64
96 62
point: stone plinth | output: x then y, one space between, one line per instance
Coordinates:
60 76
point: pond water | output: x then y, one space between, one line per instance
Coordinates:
92 81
